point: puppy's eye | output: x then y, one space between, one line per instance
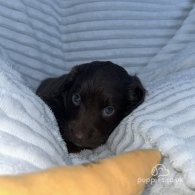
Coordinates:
108 111
76 99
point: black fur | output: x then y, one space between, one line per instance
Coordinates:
97 85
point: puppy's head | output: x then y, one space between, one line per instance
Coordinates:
96 97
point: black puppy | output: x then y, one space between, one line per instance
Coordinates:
90 101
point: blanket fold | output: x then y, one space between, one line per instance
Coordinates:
29 137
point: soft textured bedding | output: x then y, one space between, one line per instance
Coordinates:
29 137
47 37
153 38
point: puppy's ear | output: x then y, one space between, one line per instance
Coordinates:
54 87
136 94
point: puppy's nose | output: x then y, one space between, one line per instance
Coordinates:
79 135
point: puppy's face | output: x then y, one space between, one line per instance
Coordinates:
96 96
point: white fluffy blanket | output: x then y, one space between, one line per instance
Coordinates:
40 36
29 136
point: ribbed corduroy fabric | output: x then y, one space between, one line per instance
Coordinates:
46 37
